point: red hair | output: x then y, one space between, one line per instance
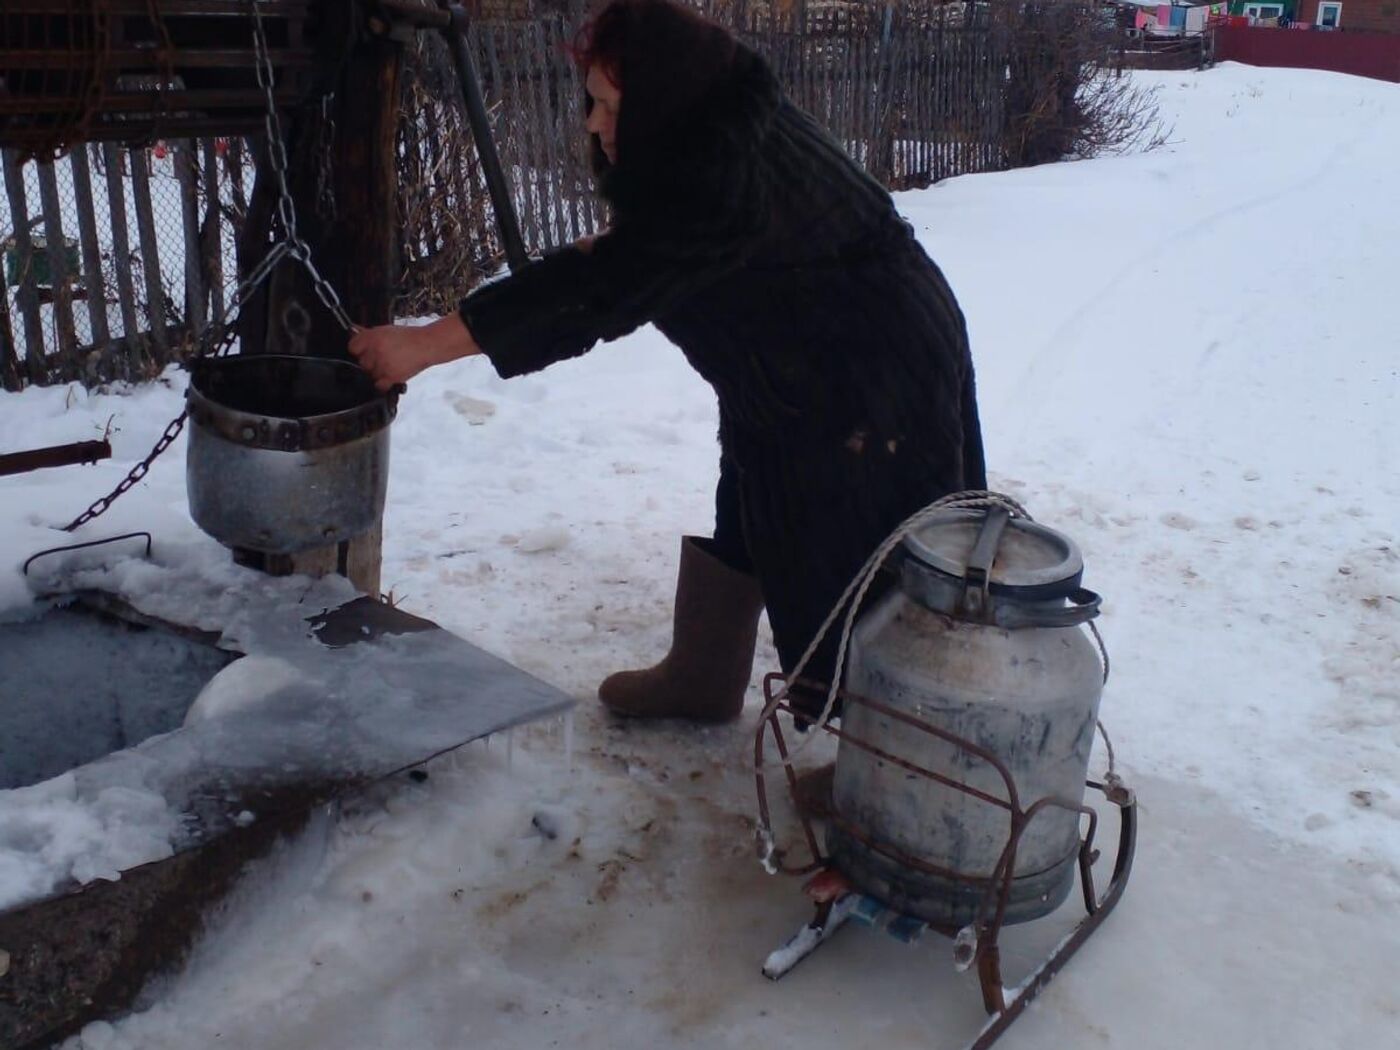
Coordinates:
601 41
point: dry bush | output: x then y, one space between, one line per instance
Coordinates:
448 239
1065 95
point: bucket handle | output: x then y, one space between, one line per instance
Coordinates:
1083 606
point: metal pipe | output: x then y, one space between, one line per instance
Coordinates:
456 35
54 456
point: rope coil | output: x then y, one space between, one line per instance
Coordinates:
856 591
853 598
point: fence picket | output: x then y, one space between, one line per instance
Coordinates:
189 227
60 277
93 280
913 93
150 254
211 256
26 292
121 247
11 376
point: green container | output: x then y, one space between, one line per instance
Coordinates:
38 268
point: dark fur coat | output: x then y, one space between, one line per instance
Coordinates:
784 274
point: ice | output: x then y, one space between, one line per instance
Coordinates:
767 850
292 712
76 687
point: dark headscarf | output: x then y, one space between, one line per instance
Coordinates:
696 104
671 60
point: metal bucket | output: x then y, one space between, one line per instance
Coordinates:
286 453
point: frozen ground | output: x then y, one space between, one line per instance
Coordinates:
1188 362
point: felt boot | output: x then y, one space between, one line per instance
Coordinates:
705 675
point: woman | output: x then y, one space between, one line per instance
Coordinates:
782 271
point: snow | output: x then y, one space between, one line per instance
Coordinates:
808 939
243 684
49 835
294 715
1187 362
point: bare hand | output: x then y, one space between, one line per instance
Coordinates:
394 354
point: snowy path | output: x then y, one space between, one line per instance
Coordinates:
1188 362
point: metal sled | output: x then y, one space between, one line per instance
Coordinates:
837 901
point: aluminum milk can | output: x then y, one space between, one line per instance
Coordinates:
983 640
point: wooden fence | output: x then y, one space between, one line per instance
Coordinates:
915 92
1164 53
116 259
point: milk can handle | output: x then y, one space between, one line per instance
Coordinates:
1083 606
976 602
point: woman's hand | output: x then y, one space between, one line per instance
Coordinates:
394 354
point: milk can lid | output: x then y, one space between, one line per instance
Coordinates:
1031 562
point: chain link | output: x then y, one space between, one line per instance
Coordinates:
217 339
172 431
277 156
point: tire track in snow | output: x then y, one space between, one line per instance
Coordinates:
1058 351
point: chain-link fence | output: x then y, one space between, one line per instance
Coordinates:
116 259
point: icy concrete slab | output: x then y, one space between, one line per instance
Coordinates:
107 870
335 689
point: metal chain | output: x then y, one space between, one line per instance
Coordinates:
277 155
217 339
172 431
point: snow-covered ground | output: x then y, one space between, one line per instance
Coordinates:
1189 362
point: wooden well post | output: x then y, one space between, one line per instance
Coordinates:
355 249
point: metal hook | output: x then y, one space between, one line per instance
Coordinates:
79 546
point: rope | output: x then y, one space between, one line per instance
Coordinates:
856 591
854 596
860 586
1103 651
1108 746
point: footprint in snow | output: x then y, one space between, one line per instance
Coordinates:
547 538
474 410
1176 520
